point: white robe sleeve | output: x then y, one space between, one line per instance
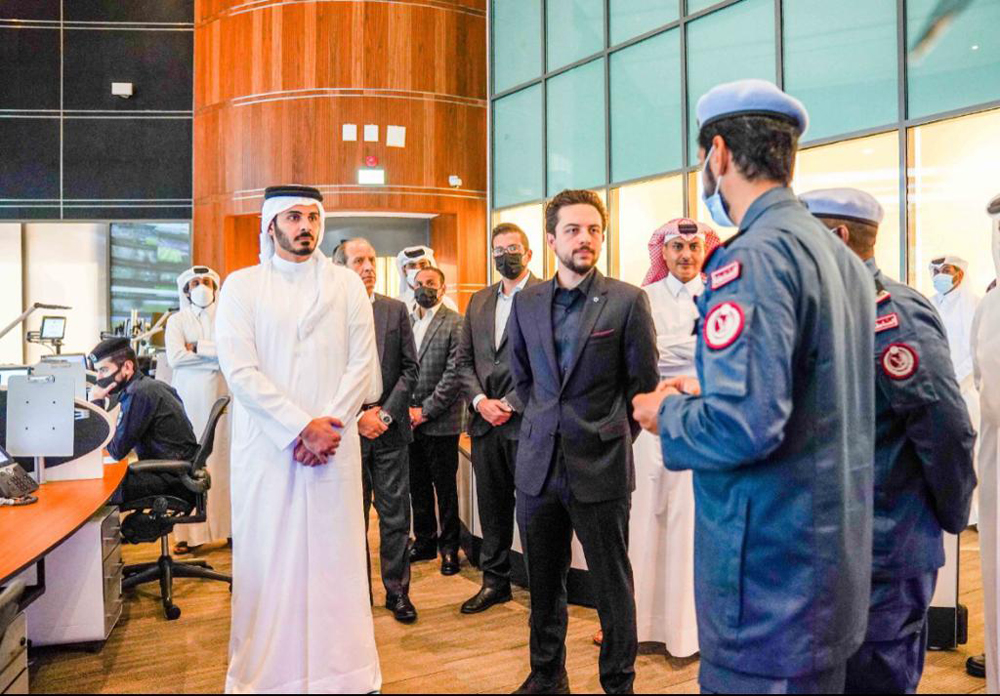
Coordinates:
177 353
359 381
207 349
280 419
977 374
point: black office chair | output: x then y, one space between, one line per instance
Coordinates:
154 517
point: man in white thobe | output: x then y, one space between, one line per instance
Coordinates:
956 303
986 368
197 378
296 341
409 262
661 534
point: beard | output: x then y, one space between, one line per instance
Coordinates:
578 267
289 244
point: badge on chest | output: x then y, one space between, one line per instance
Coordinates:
900 361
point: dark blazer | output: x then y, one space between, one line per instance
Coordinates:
398 357
589 411
484 368
439 387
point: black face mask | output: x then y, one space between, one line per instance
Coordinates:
108 381
426 297
510 266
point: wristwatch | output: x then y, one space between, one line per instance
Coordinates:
384 417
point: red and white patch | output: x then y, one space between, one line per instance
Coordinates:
882 297
900 361
726 275
723 325
889 321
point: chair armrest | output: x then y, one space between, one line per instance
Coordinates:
162 466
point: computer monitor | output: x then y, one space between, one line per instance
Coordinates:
53 328
75 358
8 371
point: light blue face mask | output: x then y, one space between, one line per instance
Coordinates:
944 283
715 203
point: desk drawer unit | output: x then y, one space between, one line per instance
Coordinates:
83 585
14 658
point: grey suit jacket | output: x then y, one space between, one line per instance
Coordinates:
398 356
439 387
485 369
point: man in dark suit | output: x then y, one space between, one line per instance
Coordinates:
386 432
496 420
582 346
436 410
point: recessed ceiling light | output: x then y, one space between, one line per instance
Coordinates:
975 47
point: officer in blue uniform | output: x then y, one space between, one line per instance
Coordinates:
780 434
924 475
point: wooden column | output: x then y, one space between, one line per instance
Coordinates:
274 84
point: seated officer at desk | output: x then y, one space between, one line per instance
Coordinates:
151 421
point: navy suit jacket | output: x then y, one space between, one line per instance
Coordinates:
587 412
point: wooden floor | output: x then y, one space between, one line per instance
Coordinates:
444 652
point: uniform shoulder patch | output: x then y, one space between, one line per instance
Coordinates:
726 274
889 321
900 361
723 325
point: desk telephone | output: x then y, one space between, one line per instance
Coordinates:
15 484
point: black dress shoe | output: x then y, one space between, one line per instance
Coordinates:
421 554
449 563
536 684
976 666
486 598
402 608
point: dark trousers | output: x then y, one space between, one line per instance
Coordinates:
144 484
547 523
386 480
434 469
891 660
493 457
722 680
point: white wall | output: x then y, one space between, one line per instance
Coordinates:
68 264
10 291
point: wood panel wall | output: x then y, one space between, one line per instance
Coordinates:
275 81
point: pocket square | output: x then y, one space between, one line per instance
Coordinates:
602 334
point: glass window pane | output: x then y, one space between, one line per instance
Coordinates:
631 18
517 42
577 155
954 54
721 49
574 29
529 218
517 147
146 258
952 177
841 61
639 210
870 164
699 5
646 135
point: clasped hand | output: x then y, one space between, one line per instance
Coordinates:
495 411
318 441
646 407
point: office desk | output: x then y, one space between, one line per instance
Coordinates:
28 533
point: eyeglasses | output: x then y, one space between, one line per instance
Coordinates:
512 249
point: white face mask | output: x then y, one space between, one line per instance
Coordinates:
411 277
202 296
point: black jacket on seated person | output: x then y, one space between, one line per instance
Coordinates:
153 423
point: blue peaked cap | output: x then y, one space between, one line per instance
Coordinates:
847 203
750 98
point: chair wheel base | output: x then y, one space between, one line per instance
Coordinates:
172 612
